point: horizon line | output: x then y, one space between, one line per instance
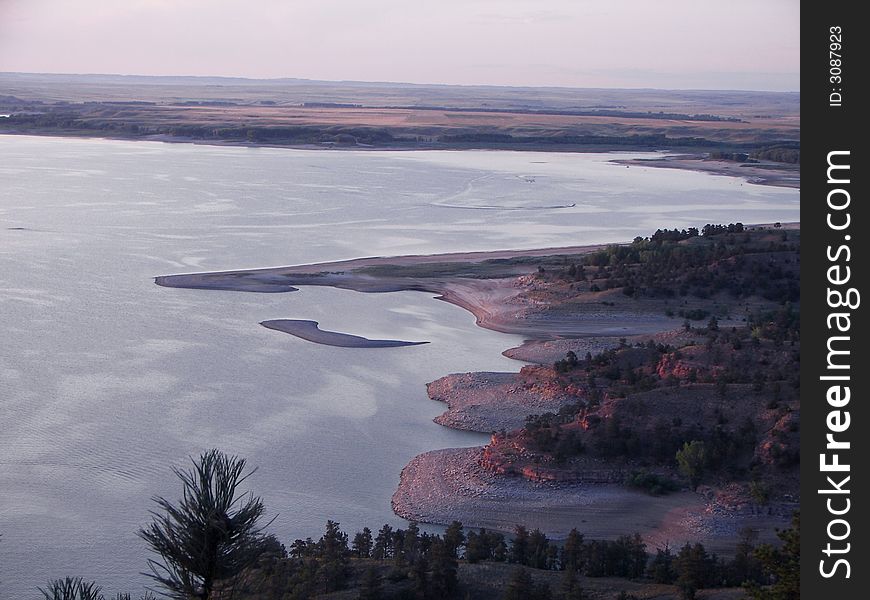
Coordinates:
395 83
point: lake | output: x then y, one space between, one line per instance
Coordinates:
107 380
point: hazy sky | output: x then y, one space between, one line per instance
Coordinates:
706 44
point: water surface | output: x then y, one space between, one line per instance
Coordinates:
107 380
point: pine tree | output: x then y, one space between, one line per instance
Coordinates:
333 554
444 582
498 549
572 552
520 586
538 545
383 547
372 587
302 548
661 569
783 564
411 543
362 543
454 538
72 588
399 547
211 535
475 549
519 552
420 577
745 567
693 566
570 587
637 556
333 543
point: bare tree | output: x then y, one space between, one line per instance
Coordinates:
211 535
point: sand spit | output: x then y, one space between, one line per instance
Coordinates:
492 292
227 282
443 485
341 266
486 284
310 331
775 174
488 402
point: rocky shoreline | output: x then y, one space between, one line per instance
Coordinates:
451 484
467 485
487 402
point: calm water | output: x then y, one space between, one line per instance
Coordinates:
107 380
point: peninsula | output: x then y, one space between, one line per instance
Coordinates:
662 395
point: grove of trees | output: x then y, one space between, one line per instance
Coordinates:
212 545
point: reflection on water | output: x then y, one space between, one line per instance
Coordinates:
107 380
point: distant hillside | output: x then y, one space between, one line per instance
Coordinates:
303 112
111 88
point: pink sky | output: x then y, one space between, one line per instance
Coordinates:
735 44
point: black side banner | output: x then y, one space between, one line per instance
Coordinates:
834 251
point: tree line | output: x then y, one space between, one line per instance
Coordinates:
212 544
727 259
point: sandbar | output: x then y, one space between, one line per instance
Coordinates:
760 173
310 331
487 284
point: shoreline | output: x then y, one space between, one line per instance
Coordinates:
769 174
486 402
409 146
488 284
683 158
444 485
493 302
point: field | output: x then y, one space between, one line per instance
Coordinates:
299 112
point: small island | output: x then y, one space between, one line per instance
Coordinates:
310 331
